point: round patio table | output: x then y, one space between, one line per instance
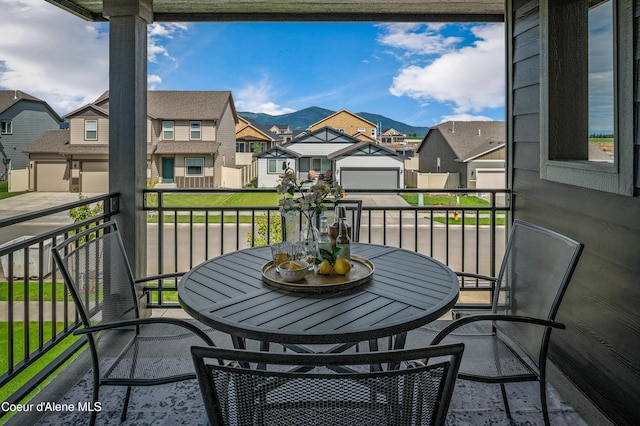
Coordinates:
407 290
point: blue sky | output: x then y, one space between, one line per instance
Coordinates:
418 74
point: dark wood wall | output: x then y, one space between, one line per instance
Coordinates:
600 349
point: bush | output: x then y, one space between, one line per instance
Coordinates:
263 232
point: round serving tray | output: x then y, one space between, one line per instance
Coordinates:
360 273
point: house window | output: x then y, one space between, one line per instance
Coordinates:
195 130
275 166
7 127
167 130
239 146
588 42
194 166
373 132
320 165
91 130
257 147
361 129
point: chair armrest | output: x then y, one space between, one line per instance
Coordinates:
142 321
493 317
159 277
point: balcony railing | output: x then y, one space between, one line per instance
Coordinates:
183 231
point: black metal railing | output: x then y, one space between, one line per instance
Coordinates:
182 235
36 313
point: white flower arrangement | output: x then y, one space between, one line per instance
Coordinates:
305 196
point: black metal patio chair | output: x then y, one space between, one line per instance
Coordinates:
327 389
126 350
510 343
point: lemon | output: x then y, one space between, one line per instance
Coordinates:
342 266
325 267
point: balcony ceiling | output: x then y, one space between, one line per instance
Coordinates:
294 10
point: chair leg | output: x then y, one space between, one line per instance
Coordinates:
543 401
123 416
506 401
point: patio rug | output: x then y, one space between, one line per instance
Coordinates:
181 404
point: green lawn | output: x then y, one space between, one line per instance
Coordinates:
18 351
245 199
470 220
446 200
34 295
4 191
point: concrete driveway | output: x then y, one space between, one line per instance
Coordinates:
379 199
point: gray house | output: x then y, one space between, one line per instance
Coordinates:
468 148
24 118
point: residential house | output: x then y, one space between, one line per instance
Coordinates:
283 131
355 164
252 138
475 150
391 135
368 165
349 123
23 118
190 138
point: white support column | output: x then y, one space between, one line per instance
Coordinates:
128 21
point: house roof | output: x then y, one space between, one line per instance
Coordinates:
191 147
189 104
363 148
178 104
325 134
283 10
342 111
278 151
57 142
8 98
469 139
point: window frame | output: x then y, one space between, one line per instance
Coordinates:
240 147
87 130
558 135
7 127
198 130
278 165
165 130
186 167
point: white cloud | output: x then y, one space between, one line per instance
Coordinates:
52 54
60 58
417 38
156 34
470 78
465 117
256 98
153 81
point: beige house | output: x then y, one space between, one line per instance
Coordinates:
393 136
350 124
190 137
252 138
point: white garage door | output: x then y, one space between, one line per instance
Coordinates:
490 178
95 177
52 177
353 178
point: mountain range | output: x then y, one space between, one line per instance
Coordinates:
303 118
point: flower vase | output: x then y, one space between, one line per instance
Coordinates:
309 232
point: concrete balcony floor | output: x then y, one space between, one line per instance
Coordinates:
180 403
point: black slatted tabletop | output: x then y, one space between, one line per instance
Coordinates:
407 290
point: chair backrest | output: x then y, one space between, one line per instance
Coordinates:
97 273
536 269
322 389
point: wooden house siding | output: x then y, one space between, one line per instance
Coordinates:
599 349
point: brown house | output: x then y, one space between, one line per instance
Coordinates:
349 123
190 137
